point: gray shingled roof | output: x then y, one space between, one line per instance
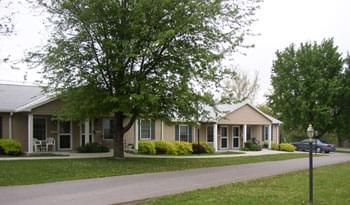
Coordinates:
14 96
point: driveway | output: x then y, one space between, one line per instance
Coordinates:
111 190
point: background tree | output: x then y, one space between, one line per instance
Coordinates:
307 81
139 58
239 88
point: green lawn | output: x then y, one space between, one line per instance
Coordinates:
343 150
41 171
332 186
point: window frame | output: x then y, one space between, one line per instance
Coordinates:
266 133
207 132
150 130
187 133
110 128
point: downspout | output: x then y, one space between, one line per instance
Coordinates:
10 125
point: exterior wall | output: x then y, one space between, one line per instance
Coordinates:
247 115
49 108
20 129
275 134
5 125
169 132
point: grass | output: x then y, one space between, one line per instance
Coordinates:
343 150
20 172
331 186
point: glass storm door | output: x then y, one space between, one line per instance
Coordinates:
235 137
65 135
224 141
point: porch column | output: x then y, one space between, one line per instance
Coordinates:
30 133
10 125
244 134
87 131
215 140
162 130
270 129
136 135
194 134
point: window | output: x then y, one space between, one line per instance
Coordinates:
184 133
147 129
266 133
39 128
107 128
210 133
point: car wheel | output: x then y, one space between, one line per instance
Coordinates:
326 152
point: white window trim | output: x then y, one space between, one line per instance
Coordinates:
91 133
236 137
188 132
266 138
206 133
59 136
150 130
226 137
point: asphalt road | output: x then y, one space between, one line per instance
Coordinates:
112 190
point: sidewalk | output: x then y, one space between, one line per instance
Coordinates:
119 189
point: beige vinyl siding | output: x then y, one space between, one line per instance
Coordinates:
245 115
5 125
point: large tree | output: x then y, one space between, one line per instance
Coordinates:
307 81
139 58
239 88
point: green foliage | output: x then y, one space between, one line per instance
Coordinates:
266 145
198 149
92 148
183 148
250 146
140 59
164 147
287 147
11 147
208 148
308 87
275 146
147 147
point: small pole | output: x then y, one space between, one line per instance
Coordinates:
310 174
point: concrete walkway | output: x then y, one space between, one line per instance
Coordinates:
111 190
74 155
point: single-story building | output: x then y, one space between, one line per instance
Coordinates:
27 115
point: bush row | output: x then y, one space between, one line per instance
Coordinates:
283 147
92 148
250 146
173 148
10 147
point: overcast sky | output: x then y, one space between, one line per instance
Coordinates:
280 23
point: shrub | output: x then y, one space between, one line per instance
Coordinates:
287 147
10 147
275 146
183 148
198 149
250 146
147 147
92 148
266 145
163 147
208 148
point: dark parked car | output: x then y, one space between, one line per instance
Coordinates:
319 146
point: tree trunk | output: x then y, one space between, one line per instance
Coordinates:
118 142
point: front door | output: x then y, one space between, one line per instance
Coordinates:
65 135
235 137
224 142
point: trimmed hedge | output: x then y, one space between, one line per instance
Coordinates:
164 147
147 147
183 148
92 148
198 149
275 146
208 148
250 146
287 147
10 147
